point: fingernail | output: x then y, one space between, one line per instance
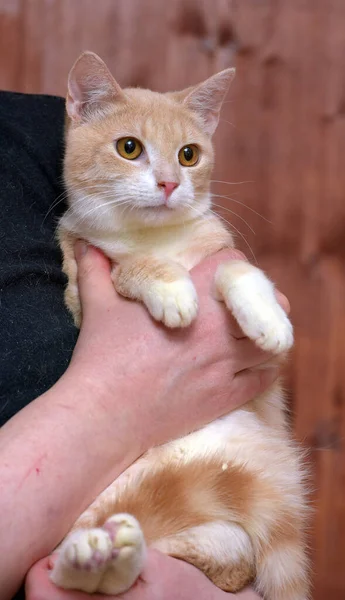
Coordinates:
80 249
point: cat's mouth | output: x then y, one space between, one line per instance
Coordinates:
159 207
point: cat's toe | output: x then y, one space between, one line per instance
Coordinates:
88 550
269 327
82 559
174 303
276 335
251 298
128 554
124 532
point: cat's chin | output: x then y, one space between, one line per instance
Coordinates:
159 215
166 214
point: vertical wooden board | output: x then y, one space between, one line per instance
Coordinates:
316 379
10 44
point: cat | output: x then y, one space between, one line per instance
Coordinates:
229 498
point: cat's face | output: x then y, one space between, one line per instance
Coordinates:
134 156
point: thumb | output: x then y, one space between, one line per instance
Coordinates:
96 288
250 383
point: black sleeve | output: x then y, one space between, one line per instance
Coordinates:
37 335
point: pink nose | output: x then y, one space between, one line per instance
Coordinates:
168 187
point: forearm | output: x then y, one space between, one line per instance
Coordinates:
56 455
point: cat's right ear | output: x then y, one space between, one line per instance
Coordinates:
91 88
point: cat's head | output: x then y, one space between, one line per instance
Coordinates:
135 156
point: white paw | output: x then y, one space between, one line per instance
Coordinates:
174 303
128 554
88 550
125 534
107 560
267 325
250 296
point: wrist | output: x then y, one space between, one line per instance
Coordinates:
112 411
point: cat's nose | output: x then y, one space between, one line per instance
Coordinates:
168 187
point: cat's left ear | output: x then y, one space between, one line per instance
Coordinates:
206 99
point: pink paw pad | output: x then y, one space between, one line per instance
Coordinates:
96 560
112 528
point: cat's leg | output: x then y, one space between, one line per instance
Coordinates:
250 296
223 551
69 267
107 559
164 287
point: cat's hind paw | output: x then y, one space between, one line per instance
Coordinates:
174 303
107 560
91 550
82 559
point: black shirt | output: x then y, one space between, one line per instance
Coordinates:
36 332
37 335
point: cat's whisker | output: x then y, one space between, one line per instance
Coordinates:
230 182
85 198
228 122
232 226
199 213
94 180
218 216
236 215
93 187
242 204
61 198
110 203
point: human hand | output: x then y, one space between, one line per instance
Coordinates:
121 350
163 577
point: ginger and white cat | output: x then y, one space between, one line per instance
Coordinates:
229 498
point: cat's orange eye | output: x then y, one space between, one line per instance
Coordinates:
129 148
188 155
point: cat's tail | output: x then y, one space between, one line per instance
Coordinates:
282 566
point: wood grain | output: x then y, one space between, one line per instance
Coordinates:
282 132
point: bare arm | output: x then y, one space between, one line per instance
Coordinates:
123 392
56 456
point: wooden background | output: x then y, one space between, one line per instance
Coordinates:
287 143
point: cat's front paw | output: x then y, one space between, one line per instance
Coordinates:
250 296
174 303
268 326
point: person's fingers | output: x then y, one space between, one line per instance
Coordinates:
283 301
247 594
204 272
143 588
159 567
96 288
248 355
38 585
251 383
